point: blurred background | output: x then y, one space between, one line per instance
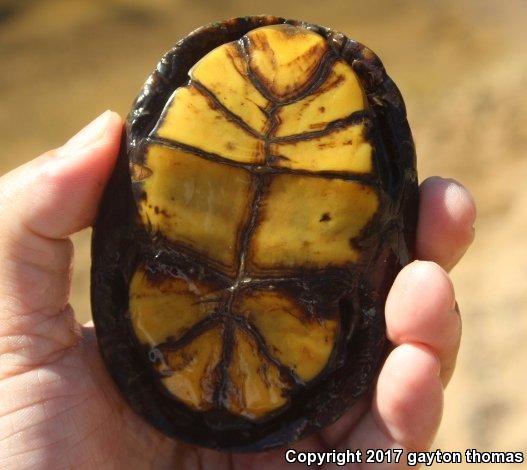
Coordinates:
461 66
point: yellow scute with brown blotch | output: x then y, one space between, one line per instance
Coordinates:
307 222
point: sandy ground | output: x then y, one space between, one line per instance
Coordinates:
462 70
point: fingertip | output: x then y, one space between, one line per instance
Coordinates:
100 155
115 120
459 203
114 127
409 399
421 292
447 213
58 193
421 308
103 130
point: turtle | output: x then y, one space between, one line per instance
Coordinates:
263 201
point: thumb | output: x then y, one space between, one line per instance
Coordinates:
42 203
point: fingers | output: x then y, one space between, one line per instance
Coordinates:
447 213
421 305
421 309
423 322
42 202
406 408
409 397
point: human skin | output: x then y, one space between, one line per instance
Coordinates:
60 409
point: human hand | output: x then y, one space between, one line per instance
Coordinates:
60 409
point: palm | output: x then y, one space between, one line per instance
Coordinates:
76 413
59 407
69 408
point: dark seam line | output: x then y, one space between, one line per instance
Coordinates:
333 274
163 249
370 180
317 78
233 117
214 157
357 117
243 47
245 325
273 120
167 251
191 334
220 396
220 393
248 229
261 186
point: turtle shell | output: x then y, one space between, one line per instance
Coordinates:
263 202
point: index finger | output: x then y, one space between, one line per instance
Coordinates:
445 230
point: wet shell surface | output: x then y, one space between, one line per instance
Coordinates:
263 202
